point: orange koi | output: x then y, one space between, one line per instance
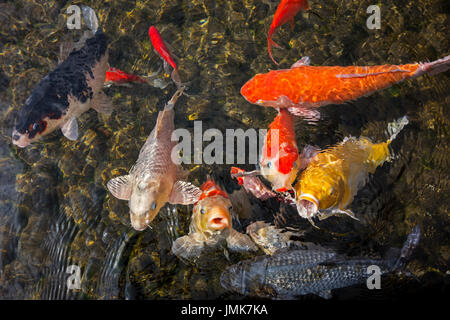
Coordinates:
303 88
286 11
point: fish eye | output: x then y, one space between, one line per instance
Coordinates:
230 208
35 126
202 210
269 164
154 205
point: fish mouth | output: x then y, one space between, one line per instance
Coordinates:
218 223
20 140
307 206
138 222
219 219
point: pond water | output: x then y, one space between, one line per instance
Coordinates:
55 210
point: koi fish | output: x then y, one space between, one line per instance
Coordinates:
286 11
303 88
252 184
288 274
279 161
335 175
119 77
271 239
71 89
161 49
211 223
155 179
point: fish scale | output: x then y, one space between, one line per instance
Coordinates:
291 273
303 88
300 272
154 158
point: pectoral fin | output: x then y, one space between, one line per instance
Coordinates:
102 103
70 129
65 49
311 116
120 187
325 294
240 242
184 193
187 247
336 211
347 212
308 153
182 174
304 61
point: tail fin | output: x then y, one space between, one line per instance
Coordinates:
435 67
90 18
395 127
408 247
270 42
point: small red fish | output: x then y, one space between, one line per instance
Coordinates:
304 88
286 11
116 76
279 161
161 48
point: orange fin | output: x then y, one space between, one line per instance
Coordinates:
306 6
270 42
292 22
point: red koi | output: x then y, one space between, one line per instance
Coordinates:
161 48
286 11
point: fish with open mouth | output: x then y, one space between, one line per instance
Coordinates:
71 89
211 224
333 177
156 178
288 274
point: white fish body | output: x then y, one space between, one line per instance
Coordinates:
154 179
